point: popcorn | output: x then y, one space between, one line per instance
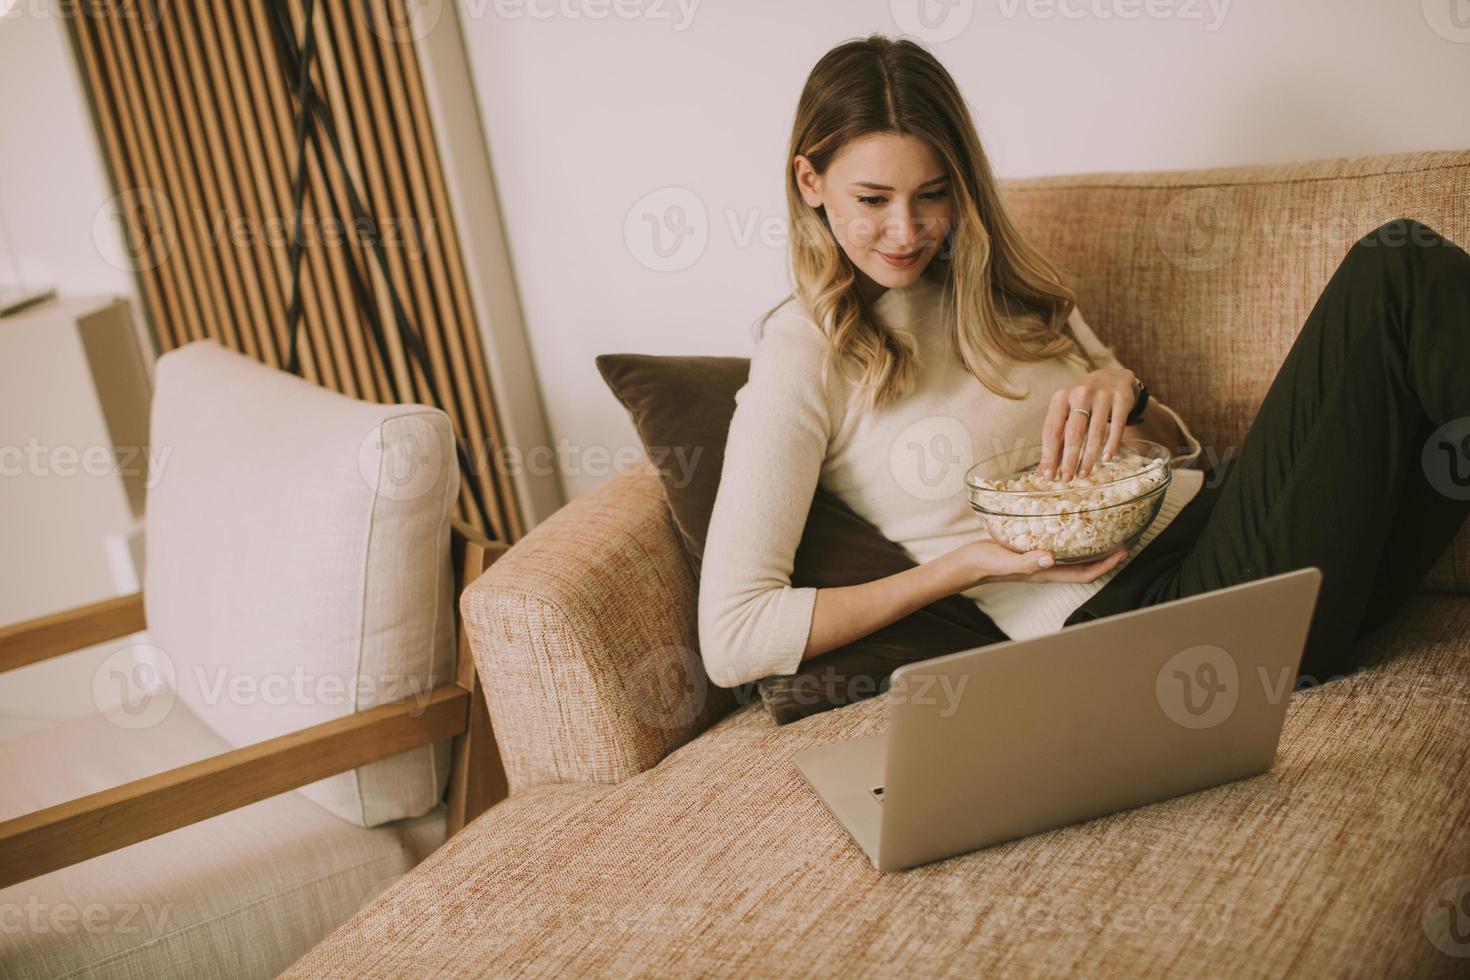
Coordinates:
1079 519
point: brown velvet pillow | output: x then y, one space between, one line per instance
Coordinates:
681 407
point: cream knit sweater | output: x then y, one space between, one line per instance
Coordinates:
901 468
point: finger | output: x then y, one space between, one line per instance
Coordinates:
1088 570
1097 430
1051 433
1074 431
1121 407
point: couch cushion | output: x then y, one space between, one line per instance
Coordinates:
721 859
1201 279
298 564
238 895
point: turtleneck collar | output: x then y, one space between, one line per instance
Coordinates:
899 305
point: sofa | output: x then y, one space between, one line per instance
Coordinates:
656 824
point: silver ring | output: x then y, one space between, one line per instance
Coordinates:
1084 412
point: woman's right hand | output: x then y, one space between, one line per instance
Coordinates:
990 561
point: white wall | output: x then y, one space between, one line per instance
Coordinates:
584 117
52 181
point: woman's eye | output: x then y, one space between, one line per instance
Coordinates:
936 195
870 201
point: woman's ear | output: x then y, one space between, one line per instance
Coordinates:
808 181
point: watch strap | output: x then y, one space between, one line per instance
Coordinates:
1135 416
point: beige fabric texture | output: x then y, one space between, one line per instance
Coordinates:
298 562
242 894
588 628
1200 279
719 859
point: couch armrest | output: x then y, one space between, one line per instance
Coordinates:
586 640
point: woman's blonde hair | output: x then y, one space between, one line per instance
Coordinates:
881 85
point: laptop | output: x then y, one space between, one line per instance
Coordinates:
1007 740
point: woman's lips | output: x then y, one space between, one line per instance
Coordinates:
901 261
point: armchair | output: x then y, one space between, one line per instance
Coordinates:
227 848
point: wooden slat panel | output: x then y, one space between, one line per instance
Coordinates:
179 289
195 104
167 129
161 314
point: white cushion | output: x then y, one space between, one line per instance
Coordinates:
243 894
298 563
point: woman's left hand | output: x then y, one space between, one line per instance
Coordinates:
1073 439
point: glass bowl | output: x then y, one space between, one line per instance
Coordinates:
1077 521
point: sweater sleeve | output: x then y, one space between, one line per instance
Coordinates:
1103 356
752 622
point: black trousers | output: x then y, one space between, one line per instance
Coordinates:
1358 461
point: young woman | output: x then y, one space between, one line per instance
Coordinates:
925 333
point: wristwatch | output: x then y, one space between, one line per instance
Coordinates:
1136 415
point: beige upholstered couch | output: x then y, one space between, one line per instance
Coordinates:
656 827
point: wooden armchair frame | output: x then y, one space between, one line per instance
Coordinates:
67 833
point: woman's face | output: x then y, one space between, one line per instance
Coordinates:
888 201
